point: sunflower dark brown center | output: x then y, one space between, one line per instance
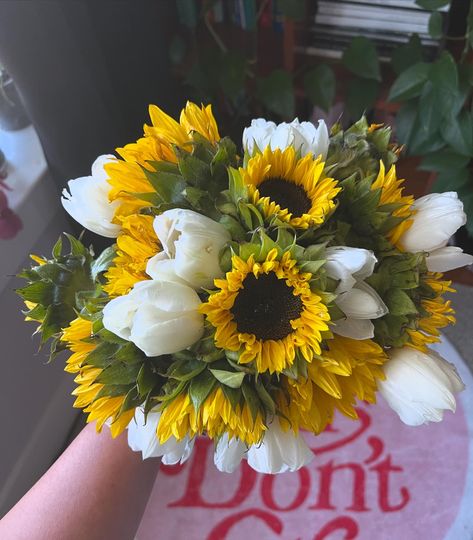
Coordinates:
286 194
265 306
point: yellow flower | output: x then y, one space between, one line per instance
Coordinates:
267 310
293 189
215 417
127 177
391 193
193 118
439 314
77 336
346 371
136 244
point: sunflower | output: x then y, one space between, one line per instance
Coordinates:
215 417
127 176
136 244
391 194
438 313
267 311
347 370
77 336
293 189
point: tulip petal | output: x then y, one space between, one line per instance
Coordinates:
280 451
348 265
435 219
228 453
447 258
354 328
361 302
142 438
419 386
86 199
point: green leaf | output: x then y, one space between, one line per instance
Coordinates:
57 249
118 373
446 160
233 73
399 303
200 387
38 292
194 170
458 133
432 4
319 85
251 398
407 55
103 261
184 370
102 355
276 92
361 95
168 186
410 83
361 59
451 181
232 379
233 227
145 379
265 398
436 25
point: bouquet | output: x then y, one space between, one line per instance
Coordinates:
249 295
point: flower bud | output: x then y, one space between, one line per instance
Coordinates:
87 200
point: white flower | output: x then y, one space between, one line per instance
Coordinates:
193 243
280 451
447 258
419 386
228 453
303 136
87 200
436 217
348 265
142 438
159 317
359 302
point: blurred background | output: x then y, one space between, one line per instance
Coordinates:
76 79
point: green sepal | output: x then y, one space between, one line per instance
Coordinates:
232 379
200 388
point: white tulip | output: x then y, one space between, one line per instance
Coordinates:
419 386
359 302
142 438
159 317
228 453
348 265
193 243
447 258
303 136
436 218
88 203
280 451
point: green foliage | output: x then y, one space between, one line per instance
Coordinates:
276 92
361 95
54 287
361 59
407 55
435 25
319 86
357 151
